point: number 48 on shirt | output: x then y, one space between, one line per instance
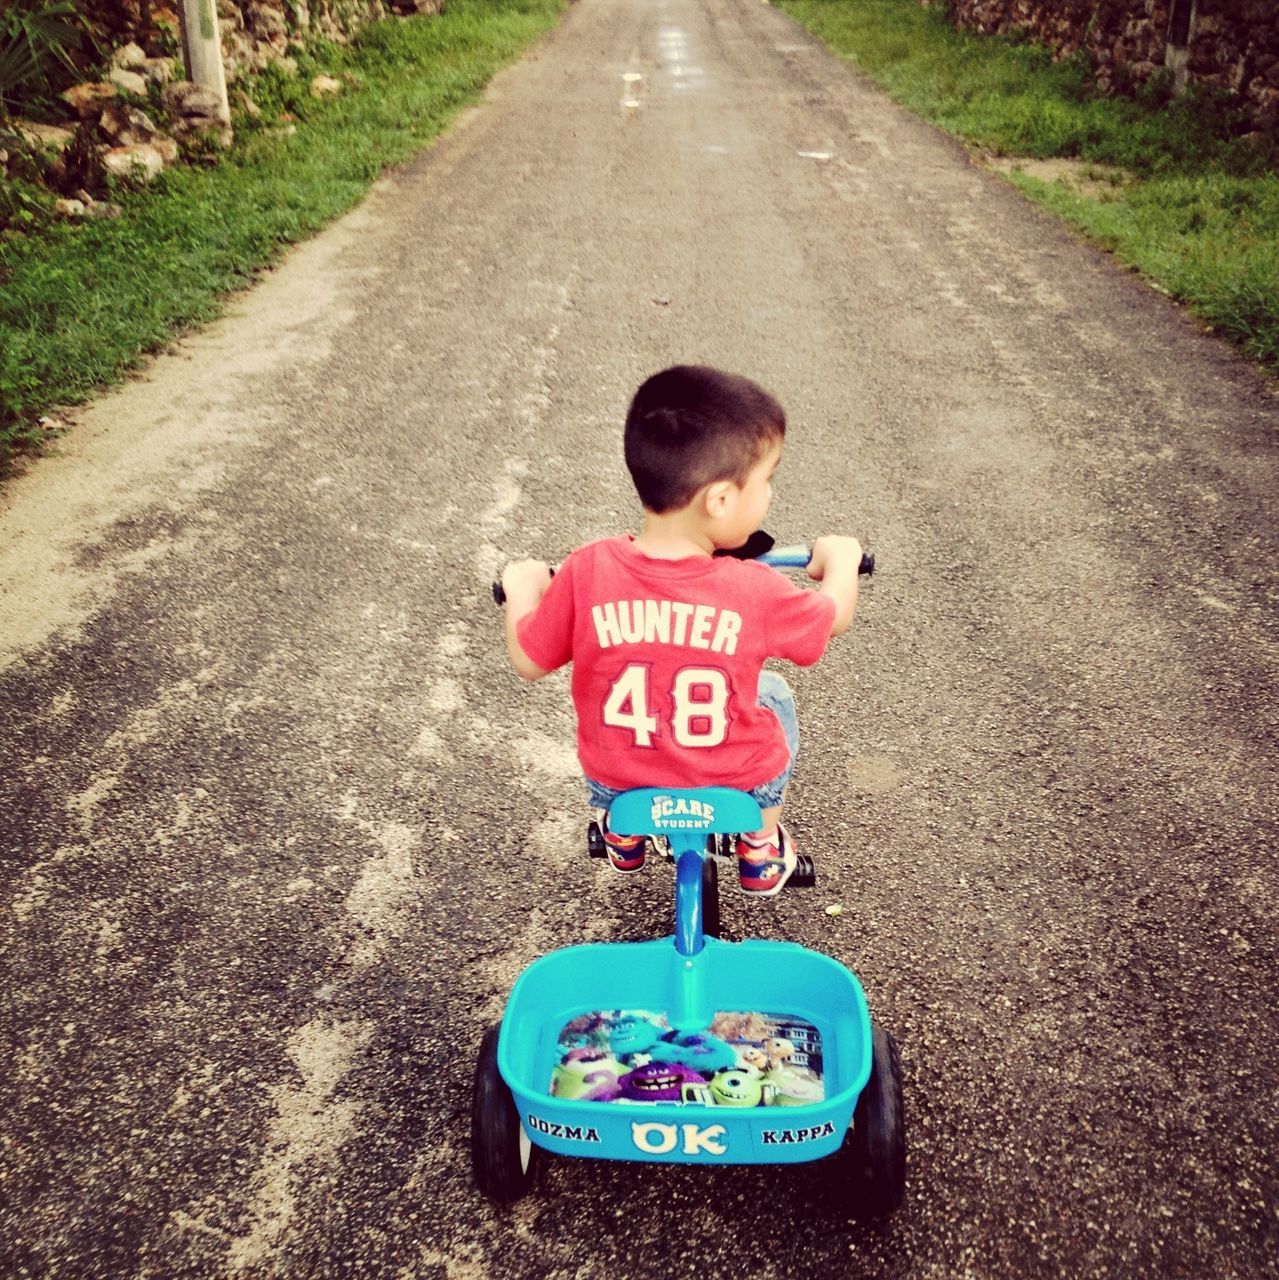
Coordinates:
699 706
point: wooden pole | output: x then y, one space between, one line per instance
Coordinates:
202 50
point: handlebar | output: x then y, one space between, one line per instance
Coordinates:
796 557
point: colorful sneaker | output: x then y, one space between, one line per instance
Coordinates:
764 864
625 853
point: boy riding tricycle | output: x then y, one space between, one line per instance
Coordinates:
703 1050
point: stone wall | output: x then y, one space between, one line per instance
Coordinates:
258 32
254 32
1233 45
138 116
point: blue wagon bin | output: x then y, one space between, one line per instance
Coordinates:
690 1049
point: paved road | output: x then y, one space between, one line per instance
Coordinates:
279 829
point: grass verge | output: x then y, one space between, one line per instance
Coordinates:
1186 196
80 305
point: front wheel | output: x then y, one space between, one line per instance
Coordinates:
502 1157
872 1159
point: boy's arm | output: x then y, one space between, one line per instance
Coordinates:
834 563
525 582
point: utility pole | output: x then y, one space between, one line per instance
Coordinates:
202 50
1181 22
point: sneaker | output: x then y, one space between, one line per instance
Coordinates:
765 864
625 853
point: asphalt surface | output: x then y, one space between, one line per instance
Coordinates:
279 828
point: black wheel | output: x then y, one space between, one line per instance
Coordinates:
805 874
710 898
503 1159
872 1159
595 840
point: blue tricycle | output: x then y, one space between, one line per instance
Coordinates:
691 1049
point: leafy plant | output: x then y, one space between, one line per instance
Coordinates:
23 205
36 37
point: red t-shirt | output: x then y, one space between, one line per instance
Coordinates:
666 658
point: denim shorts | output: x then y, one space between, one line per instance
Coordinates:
775 695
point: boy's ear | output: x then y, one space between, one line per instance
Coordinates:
718 498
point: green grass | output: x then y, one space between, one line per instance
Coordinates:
1200 213
79 305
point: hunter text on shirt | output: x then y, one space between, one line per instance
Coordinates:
698 626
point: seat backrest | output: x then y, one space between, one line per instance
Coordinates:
667 811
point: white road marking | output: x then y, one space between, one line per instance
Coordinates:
385 884
309 1126
551 757
875 141
493 520
446 696
631 79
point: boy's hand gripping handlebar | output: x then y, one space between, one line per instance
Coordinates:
759 546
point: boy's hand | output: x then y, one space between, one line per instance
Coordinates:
525 582
834 563
837 553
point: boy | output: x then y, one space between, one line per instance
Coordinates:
668 640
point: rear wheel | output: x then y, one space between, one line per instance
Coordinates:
872 1159
502 1157
710 898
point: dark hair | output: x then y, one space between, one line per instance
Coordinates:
689 426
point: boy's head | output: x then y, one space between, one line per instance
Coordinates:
691 426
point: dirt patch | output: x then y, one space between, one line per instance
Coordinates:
874 775
1087 178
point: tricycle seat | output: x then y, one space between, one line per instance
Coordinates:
683 812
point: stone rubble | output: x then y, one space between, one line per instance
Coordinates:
48 136
125 125
86 100
142 163
129 81
132 57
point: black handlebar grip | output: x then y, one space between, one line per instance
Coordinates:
499 592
